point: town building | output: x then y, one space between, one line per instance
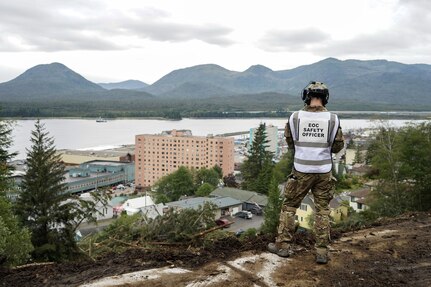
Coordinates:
97 174
162 154
271 136
358 198
123 153
249 199
87 176
226 206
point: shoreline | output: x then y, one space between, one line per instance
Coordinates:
386 115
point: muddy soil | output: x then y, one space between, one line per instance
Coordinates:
395 253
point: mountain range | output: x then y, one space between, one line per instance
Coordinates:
351 81
126 85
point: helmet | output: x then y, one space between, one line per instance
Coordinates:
317 90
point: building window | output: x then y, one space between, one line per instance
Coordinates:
303 207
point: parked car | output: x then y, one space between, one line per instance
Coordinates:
256 210
239 232
244 214
223 222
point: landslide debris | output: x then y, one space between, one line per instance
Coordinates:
396 252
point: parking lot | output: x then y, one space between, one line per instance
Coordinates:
240 223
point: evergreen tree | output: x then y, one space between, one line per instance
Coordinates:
272 209
15 243
44 205
358 155
402 158
257 168
5 155
284 167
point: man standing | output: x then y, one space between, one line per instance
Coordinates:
314 134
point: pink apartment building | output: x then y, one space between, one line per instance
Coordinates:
159 155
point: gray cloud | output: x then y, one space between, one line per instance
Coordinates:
293 40
411 31
88 25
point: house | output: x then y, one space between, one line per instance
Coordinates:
134 205
358 198
226 205
102 211
249 199
360 169
339 211
305 210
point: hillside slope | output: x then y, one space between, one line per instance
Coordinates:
396 253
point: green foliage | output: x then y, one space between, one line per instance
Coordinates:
347 182
250 233
219 171
311 219
204 190
172 186
358 155
356 221
45 206
5 155
137 230
272 209
230 181
188 182
15 241
257 168
205 175
402 158
284 167
217 236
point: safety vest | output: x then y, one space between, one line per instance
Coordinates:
313 134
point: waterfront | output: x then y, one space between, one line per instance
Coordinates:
87 133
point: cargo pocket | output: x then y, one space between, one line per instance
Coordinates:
333 183
291 185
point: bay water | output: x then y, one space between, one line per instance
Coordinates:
89 134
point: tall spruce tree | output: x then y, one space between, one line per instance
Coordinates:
272 209
15 244
257 168
45 206
5 154
43 192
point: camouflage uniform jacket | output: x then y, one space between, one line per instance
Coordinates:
339 138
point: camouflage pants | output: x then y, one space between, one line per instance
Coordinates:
297 187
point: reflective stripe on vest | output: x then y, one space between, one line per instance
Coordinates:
313 135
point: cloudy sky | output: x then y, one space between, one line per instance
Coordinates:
113 40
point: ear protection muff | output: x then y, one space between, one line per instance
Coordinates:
316 89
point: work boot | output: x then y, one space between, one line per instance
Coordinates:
321 255
282 249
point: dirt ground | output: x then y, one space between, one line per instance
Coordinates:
397 252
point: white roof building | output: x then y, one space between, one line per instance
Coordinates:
134 205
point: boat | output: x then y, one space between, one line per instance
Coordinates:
101 120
